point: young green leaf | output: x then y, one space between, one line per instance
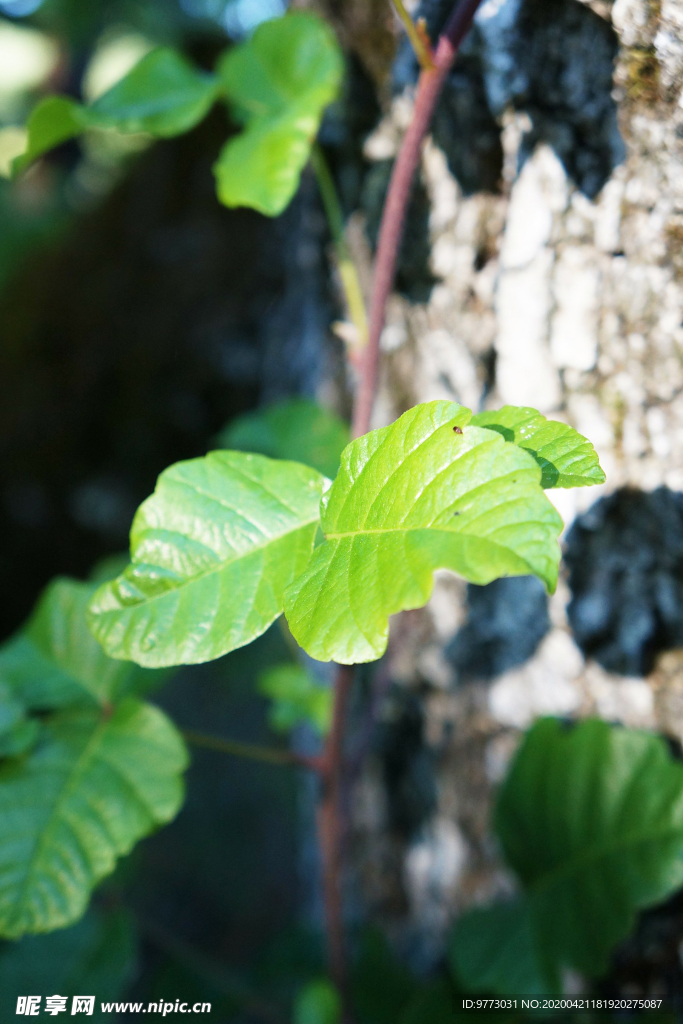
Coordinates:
591 819
54 662
92 787
295 429
297 697
566 457
213 550
426 492
494 950
162 95
278 84
54 120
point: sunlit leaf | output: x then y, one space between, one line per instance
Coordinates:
163 94
566 457
426 492
297 697
54 120
295 429
278 84
93 786
54 662
212 551
591 819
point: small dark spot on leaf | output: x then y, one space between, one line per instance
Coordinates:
457 430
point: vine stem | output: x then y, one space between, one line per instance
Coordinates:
251 751
348 274
330 817
430 84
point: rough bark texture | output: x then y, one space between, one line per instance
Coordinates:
560 288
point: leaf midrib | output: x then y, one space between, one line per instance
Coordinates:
219 567
578 863
77 771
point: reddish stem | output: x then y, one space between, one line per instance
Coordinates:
429 87
330 817
330 828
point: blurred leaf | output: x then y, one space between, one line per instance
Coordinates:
212 551
297 697
89 791
566 457
96 955
493 950
20 738
54 662
54 120
278 83
295 429
163 94
424 493
381 986
591 819
317 1003
109 568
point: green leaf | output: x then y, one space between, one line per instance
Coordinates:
494 950
278 84
591 819
92 787
318 1002
426 492
163 95
54 662
54 120
566 457
297 697
96 955
295 429
212 552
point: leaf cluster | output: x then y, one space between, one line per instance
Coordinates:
88 767
229 541
276 86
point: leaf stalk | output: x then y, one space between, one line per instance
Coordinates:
419 40
251 751
348 274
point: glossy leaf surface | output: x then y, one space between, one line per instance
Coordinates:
296 429
92 787
213 550
591 819
426 492
278 84
566 457
54 661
